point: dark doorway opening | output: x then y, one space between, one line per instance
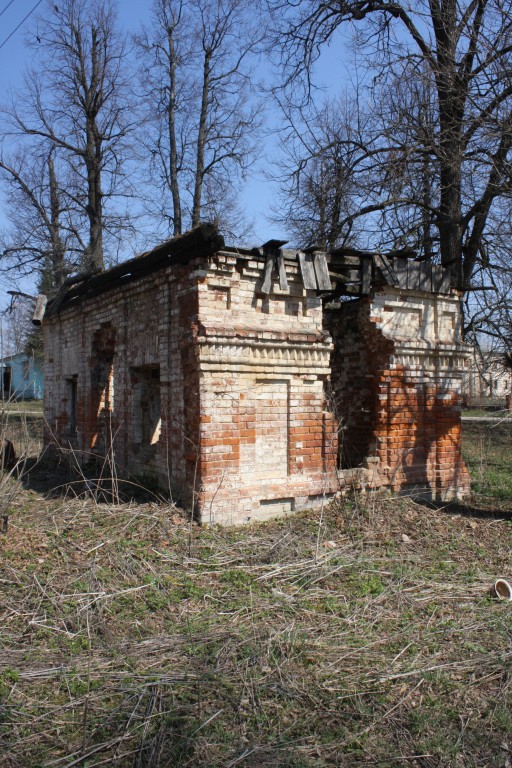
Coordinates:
6 382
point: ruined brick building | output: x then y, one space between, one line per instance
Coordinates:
253 382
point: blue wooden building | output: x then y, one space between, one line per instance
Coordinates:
22 377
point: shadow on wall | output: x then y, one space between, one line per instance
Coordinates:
102 388
423 445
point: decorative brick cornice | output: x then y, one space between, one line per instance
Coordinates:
245 334
431 358
218 353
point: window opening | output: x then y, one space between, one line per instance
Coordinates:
72 401
147 420
102 386
6 382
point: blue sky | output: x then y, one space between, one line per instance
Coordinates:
258 193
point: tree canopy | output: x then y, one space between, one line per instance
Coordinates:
417 154
444 67
72 120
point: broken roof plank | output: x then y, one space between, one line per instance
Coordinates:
283 281
267 280
400 267
425 282
437 278
321 271
348 277
413 275
382 263
307 270
39 310
273 245
366 275
446 281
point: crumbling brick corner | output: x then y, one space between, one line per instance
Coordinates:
397 367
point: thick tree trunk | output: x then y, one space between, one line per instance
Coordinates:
58 249
426 223
173 153
452 97
339 187
201 142
93 258
450 223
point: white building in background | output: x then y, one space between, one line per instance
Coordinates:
486 378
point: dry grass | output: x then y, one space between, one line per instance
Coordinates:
22 422
130 638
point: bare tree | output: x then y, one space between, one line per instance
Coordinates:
463 48
41 232
163 51
318 173
74 102
404 172
201 115
15 326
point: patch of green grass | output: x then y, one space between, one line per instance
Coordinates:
7 679
22 406
238 578
367 584
484 413
502 718
486 451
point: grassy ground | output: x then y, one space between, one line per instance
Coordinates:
22 406
363 635
22 423
488 413
488 455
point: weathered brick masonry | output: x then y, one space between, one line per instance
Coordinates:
396 371
209 369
